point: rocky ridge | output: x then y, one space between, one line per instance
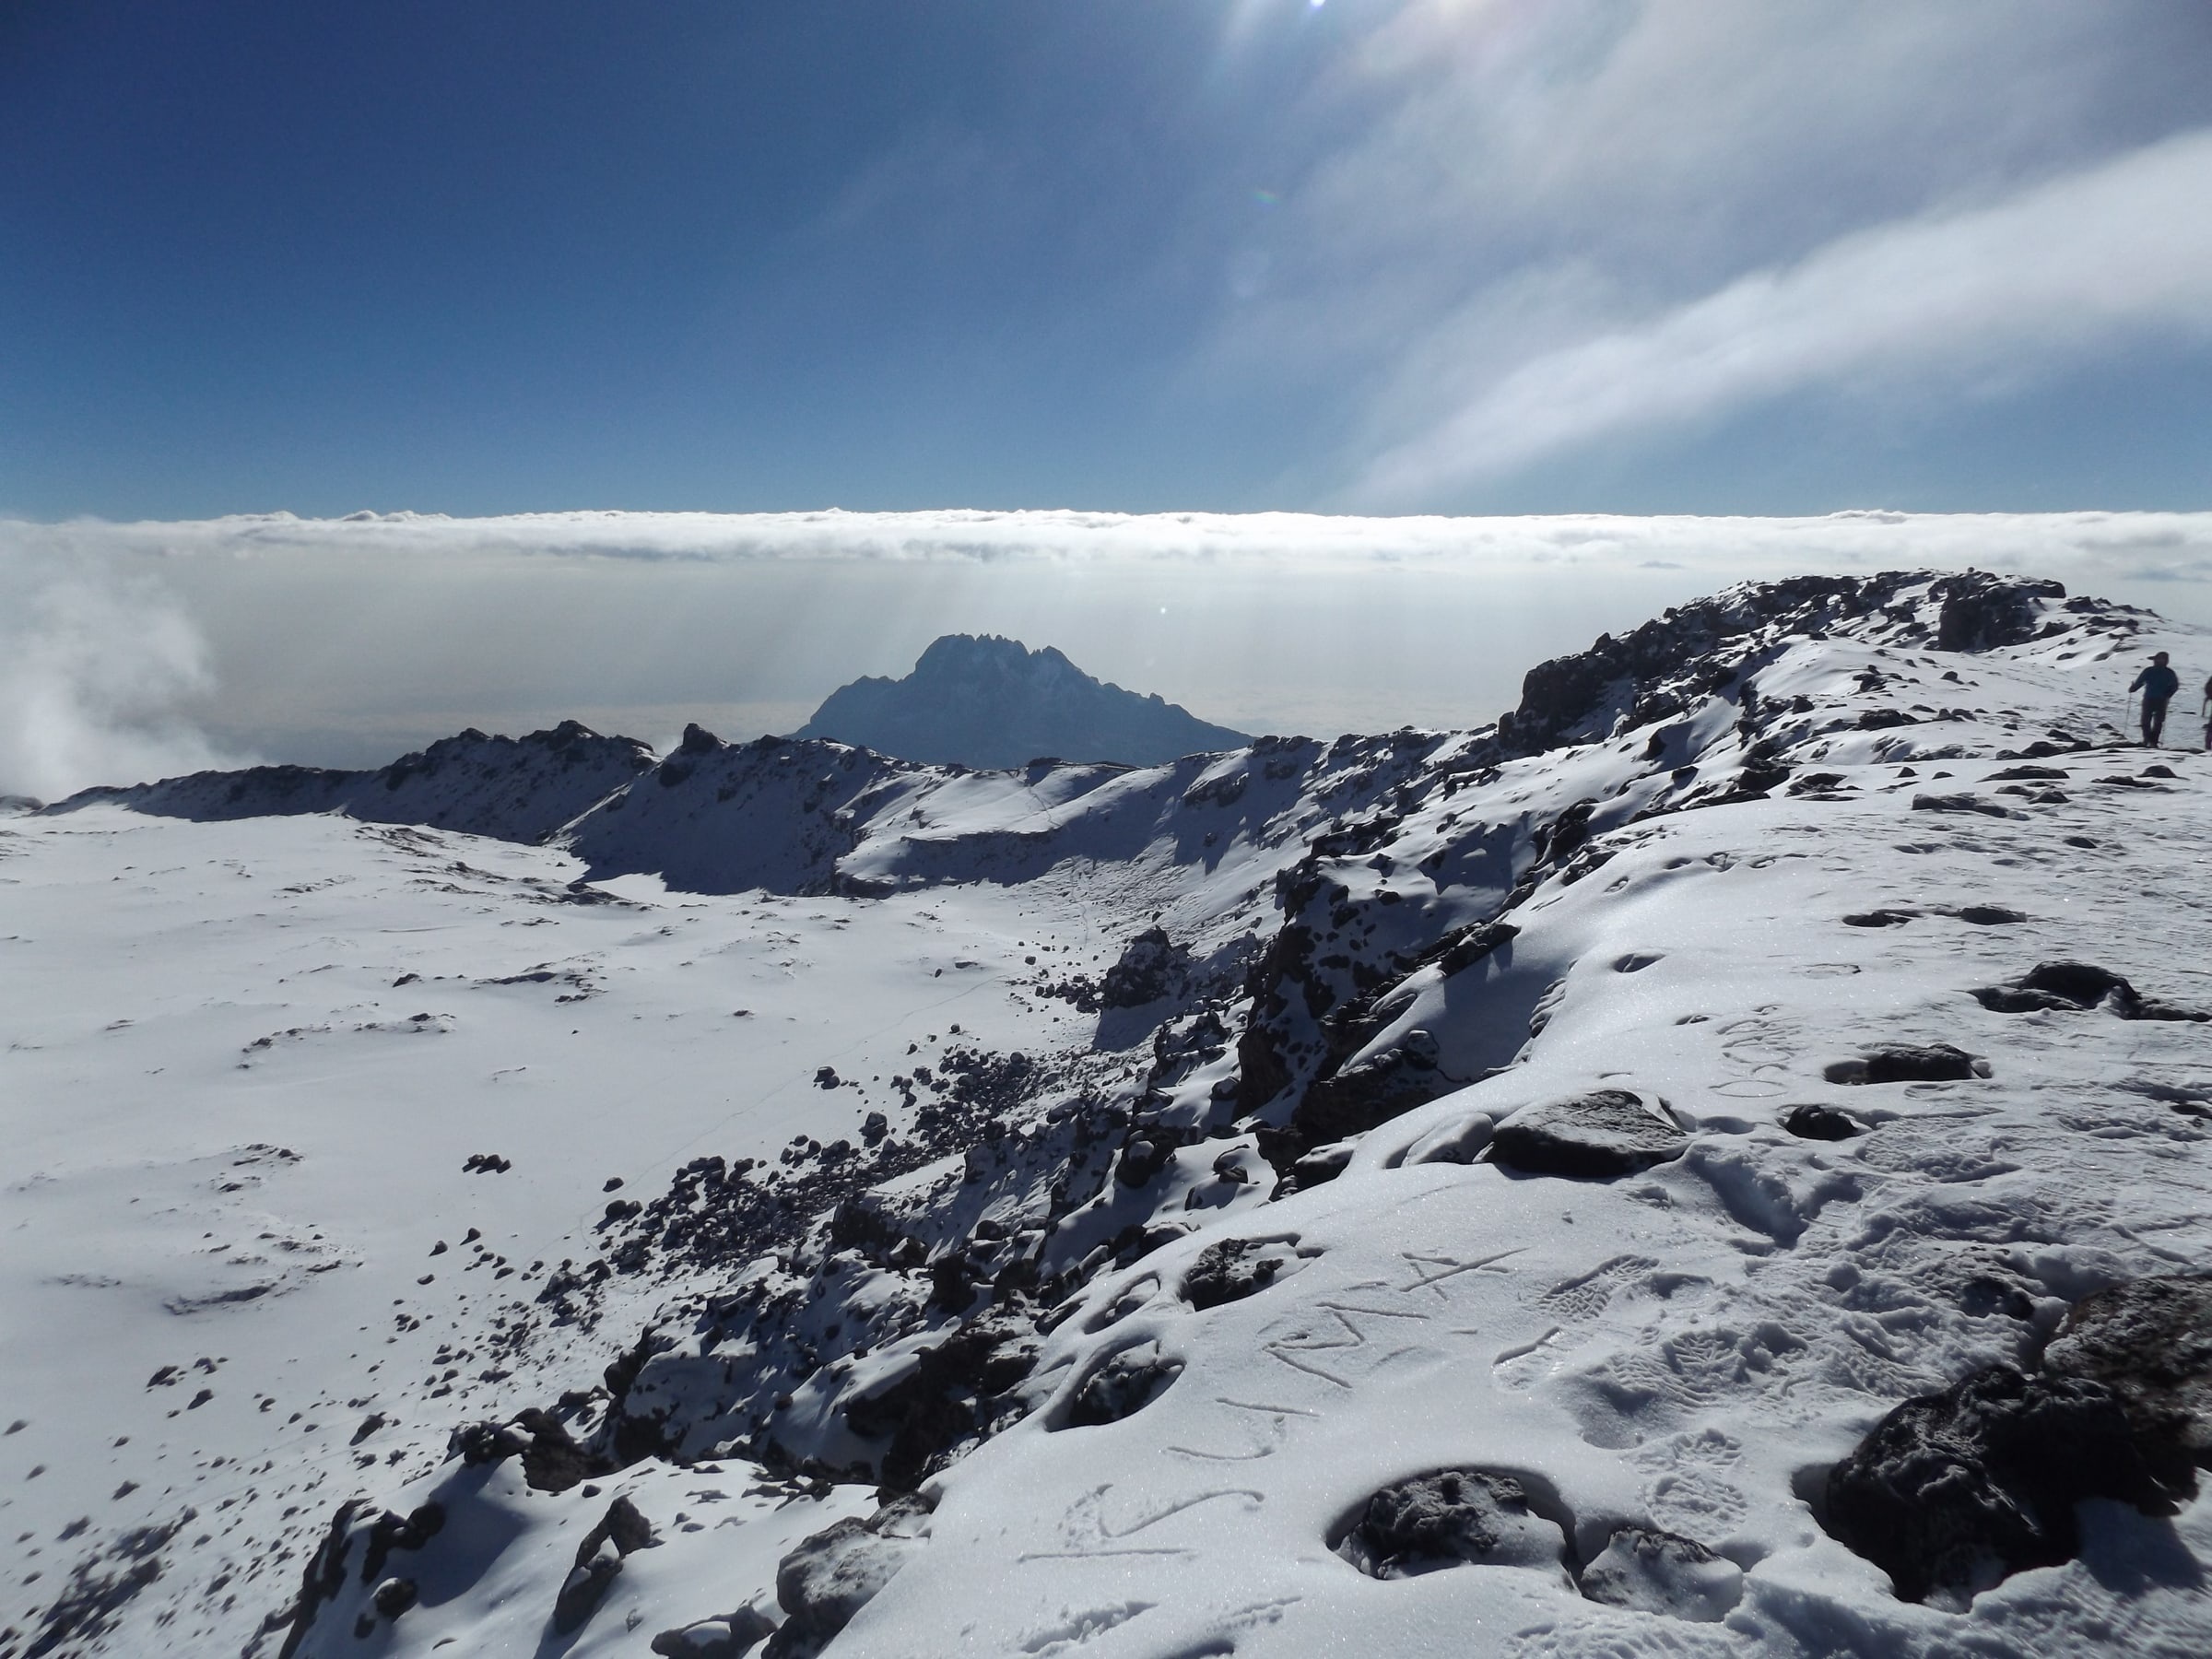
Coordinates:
1378 952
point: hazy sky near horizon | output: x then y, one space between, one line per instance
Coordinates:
142 649
1712 257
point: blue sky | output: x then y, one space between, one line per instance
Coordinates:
1384 255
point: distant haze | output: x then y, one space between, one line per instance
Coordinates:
127 650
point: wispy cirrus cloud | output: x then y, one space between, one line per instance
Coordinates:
2088 263
1540 228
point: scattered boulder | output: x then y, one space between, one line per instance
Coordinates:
1123 1385
955 1395
1981 610
1988 916
621 1532
1375 1091
1961 802
830 1576
1934 1063
1810 1122
1142 1157
485 1163
1452 1518
1954 1491
2151 1343
723 1638
1232 1270
1595 1135
1150 967
1652 1571
389 1532
393 1597
2073 987
1460 1141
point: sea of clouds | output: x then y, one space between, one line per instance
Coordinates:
130 650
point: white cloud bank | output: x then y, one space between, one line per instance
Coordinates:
350 642
2081 265
96 672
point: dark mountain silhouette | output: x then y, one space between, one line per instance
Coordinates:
993 703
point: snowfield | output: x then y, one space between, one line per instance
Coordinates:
1713 1164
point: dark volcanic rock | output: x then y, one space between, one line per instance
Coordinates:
1935 1062
1150 967
2151 1343
1374 1091
1123 1385
622 1531
1232 1270
1981 610
995 704
1812 1121
2074 986
1952 1492
1652 1571
952 1398
1694 650
1960 802
724 1638
1452 1518
1605 1133
830 1576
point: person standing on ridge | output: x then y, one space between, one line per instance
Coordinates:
2157 682
2204 713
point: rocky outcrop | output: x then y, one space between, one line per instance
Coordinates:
1955 1492
2073 987
1652 1571
1594 1136
1694 650
828 1579
1452 1518
621 1532
2151 1343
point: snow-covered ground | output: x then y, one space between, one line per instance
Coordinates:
1450 1125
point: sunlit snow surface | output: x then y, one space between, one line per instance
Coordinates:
235 1137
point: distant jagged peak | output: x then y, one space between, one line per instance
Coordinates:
987 701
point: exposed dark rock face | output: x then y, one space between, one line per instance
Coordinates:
1961 802
2151 1343
1934 1062
1453 1518
1360 1096
727 1637
1980 611
1597 1135
1952 1492
995 705
1232 1270
1652 1571
2072 987
1152 966
828 1579
1657 671
955 1395
390 1532
622 1531
1129 1380
1811 1122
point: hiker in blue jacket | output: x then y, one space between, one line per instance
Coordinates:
2157 682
